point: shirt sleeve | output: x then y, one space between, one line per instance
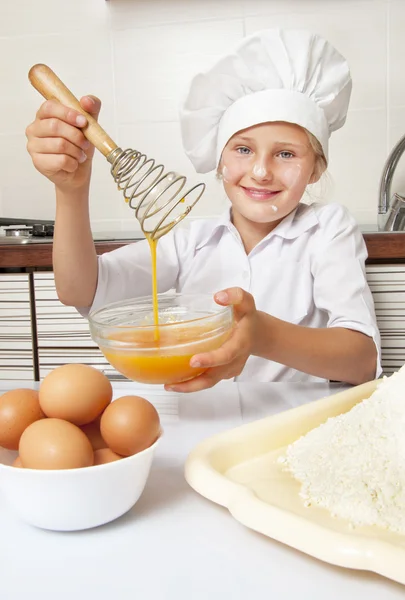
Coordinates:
340 284
127 272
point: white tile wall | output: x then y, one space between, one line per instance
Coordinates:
129 14
396 53
22 18
357 155
138 56
162 59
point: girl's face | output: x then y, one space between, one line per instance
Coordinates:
265 170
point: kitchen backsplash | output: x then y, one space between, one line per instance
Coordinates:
138 56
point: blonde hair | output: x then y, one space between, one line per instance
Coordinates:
320 160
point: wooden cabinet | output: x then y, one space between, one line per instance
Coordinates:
38 333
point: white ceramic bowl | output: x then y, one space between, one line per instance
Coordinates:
73 499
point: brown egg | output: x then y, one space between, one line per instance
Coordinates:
130 424
18 409
55 444
17 463
105 455
92 430
75 393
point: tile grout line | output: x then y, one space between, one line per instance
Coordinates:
387 83
114 90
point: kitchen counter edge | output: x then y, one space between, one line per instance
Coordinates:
382 248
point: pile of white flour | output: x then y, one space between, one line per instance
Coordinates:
354 464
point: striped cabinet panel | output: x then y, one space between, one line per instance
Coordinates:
63 334
16 353
387 283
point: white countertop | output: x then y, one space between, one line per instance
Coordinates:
174 544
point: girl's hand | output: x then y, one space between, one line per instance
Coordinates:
57 145
229 360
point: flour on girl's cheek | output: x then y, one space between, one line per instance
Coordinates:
225 174
233 174
290 175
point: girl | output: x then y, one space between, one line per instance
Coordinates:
295 274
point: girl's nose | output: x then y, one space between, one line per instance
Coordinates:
261 171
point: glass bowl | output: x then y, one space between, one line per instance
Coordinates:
188 324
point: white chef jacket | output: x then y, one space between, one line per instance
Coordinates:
310 270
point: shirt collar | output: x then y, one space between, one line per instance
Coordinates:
211 226
292 226
297 222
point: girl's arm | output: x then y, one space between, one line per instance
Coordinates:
74 255
334 353
60 152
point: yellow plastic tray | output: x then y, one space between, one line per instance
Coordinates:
238 469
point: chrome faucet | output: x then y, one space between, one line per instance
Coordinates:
391 213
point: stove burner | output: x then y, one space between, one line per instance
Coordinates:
18 231
40 230
34 229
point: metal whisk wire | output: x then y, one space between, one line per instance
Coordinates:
155 196
149 192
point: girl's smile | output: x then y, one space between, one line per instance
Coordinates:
260 194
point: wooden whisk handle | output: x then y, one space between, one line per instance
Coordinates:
47 83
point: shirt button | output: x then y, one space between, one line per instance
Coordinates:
245 274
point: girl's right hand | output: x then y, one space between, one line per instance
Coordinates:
57 145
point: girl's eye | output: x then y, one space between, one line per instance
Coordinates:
286 154
243 150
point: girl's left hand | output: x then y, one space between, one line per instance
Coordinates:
229 360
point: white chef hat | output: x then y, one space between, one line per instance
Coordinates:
274 75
